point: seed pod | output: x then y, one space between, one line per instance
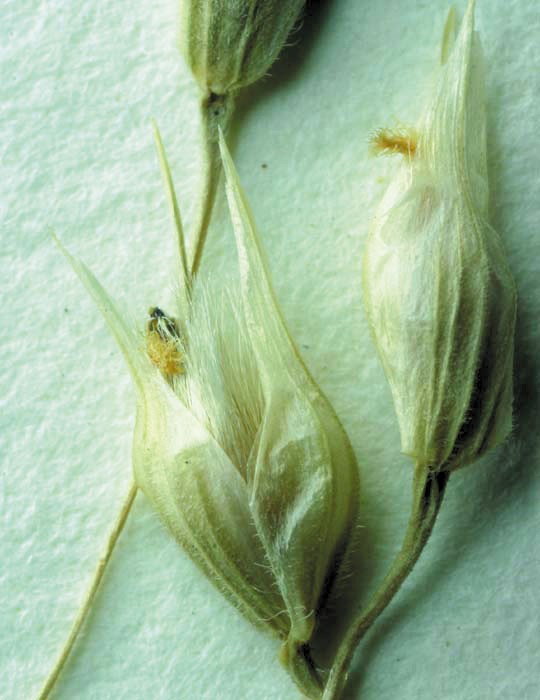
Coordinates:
229 44
438 291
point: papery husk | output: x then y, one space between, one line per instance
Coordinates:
303 475
438 291
203 500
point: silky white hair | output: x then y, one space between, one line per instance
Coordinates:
221 384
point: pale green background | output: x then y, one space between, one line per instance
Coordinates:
79 84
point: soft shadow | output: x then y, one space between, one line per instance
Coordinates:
354 582
288 67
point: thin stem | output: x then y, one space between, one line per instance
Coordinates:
91 592
428 493
296 658
216 111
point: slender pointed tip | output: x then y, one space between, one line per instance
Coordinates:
173 205
75 263
466 31
468 18
449 35
58 243
124 335
452 35
157 135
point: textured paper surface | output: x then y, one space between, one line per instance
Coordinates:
80 82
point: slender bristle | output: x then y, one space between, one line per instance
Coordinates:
390 141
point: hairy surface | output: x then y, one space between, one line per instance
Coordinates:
221 383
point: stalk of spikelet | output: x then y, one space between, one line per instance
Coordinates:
228 45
